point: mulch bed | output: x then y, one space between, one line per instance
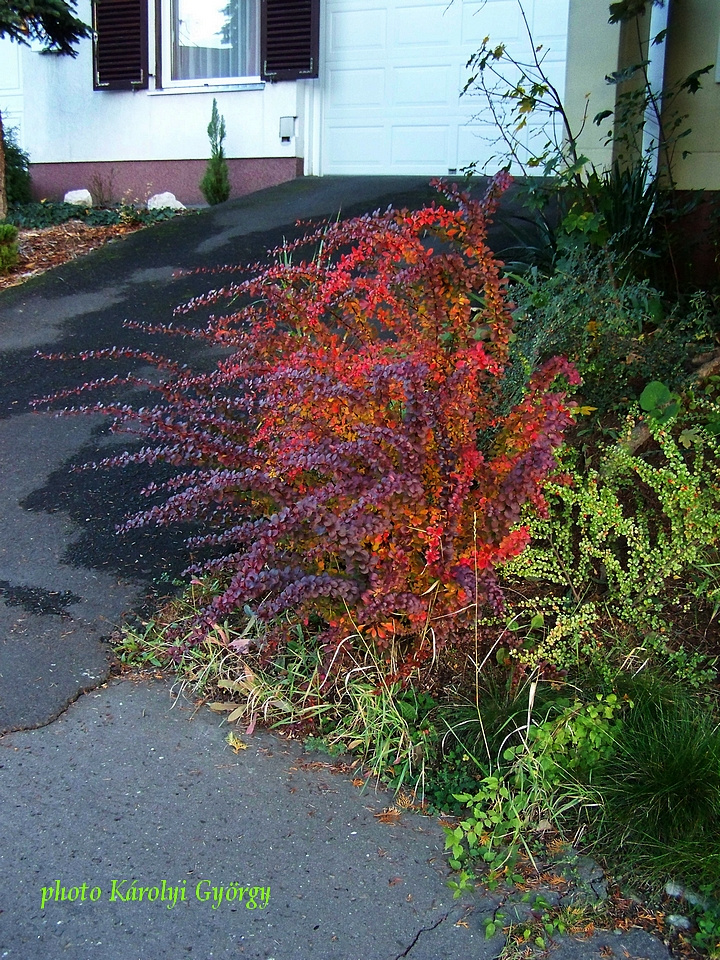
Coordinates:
52 246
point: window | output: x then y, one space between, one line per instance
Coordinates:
201 43
211 41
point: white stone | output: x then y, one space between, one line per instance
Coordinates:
164 201
81 198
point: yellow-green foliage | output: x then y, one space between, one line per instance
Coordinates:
615 538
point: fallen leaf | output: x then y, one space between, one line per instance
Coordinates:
235 742
221 707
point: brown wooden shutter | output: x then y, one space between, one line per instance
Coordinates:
120 44
290 39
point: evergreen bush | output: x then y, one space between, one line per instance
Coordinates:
215 184
17 170
8 247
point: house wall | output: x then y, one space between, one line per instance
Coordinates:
693 36
11 88
134 181
592 54
149 141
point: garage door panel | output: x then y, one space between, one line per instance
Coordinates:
476 144
546 18
419 145
353 146
494 18
357 31
422 86
479 143
426 24
555 72
356 88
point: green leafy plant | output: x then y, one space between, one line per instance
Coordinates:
215 184
706 914
616 537
8 247
544 776
659 402
47 214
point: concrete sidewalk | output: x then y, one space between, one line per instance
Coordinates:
129 786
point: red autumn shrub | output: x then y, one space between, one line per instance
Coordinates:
351 460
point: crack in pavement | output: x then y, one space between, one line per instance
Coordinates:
422 930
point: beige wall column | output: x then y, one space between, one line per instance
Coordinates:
593 46
693 43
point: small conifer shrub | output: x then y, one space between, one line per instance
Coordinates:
17 170
8 247
215 184
354 460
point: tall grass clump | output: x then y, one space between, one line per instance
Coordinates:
661 790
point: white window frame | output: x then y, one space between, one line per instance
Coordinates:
162 28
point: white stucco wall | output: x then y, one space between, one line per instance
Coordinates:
11 88
66 121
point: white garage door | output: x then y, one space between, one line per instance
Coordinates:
393 71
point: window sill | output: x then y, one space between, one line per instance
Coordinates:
208 88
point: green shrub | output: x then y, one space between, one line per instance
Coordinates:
617 542
215 184
620 336
17 170
8 247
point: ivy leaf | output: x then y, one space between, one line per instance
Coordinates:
624 10
688 437
692 82
654 395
